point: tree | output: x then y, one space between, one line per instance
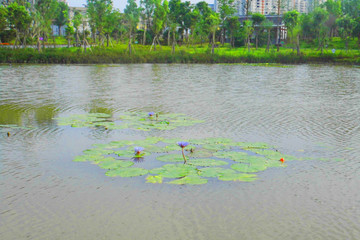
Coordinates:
19 20
147 7
320 16
110 24
226 10
213 22
3 19
268 25
333 7
159 19
202 28
291 21
257 19
248 30
346 26
77 20
62 15
233 27
46 10
69 31
132 14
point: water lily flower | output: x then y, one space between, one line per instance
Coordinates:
138 150
151 114
183 145
282 160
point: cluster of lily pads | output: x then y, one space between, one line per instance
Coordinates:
128 120
194 161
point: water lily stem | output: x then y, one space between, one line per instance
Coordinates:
182 149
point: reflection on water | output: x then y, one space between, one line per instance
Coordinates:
306 111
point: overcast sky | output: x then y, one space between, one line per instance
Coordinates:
120 3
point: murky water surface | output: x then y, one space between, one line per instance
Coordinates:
306 111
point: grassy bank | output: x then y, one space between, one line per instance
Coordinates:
198 54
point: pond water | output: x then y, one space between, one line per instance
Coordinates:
307 111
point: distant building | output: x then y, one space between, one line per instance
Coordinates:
268 7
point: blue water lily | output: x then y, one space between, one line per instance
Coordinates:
138 150
183 145
151 114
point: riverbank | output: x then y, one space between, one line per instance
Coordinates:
142 54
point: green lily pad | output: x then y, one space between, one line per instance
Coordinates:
154 179
172 140
215 147
174 170
215 171
84 158
222 141
200 153
171 158
242 177
206 162
129 153
253 145
98 151
249 168
231 155
114 164
190 180
120 144
126 172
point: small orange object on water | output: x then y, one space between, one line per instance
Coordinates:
282 160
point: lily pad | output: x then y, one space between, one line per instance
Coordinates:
215 147
154 179
200 153
242 177
190 180
114 164
129 153
231 155
174 170
249 168
253 145
98 151
126 172
215 171
84 158
206 162
171 158
223 141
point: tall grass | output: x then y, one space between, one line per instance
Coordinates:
142 54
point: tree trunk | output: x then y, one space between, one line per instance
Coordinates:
39 45
173 43
268 41
59 30
168 37
298 44
68 42
54 42
129 46
256 40
248 43
213 43
107 40
144 36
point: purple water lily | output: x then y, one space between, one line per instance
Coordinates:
183 145
151 114
138 150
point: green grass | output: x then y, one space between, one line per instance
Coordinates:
192 54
